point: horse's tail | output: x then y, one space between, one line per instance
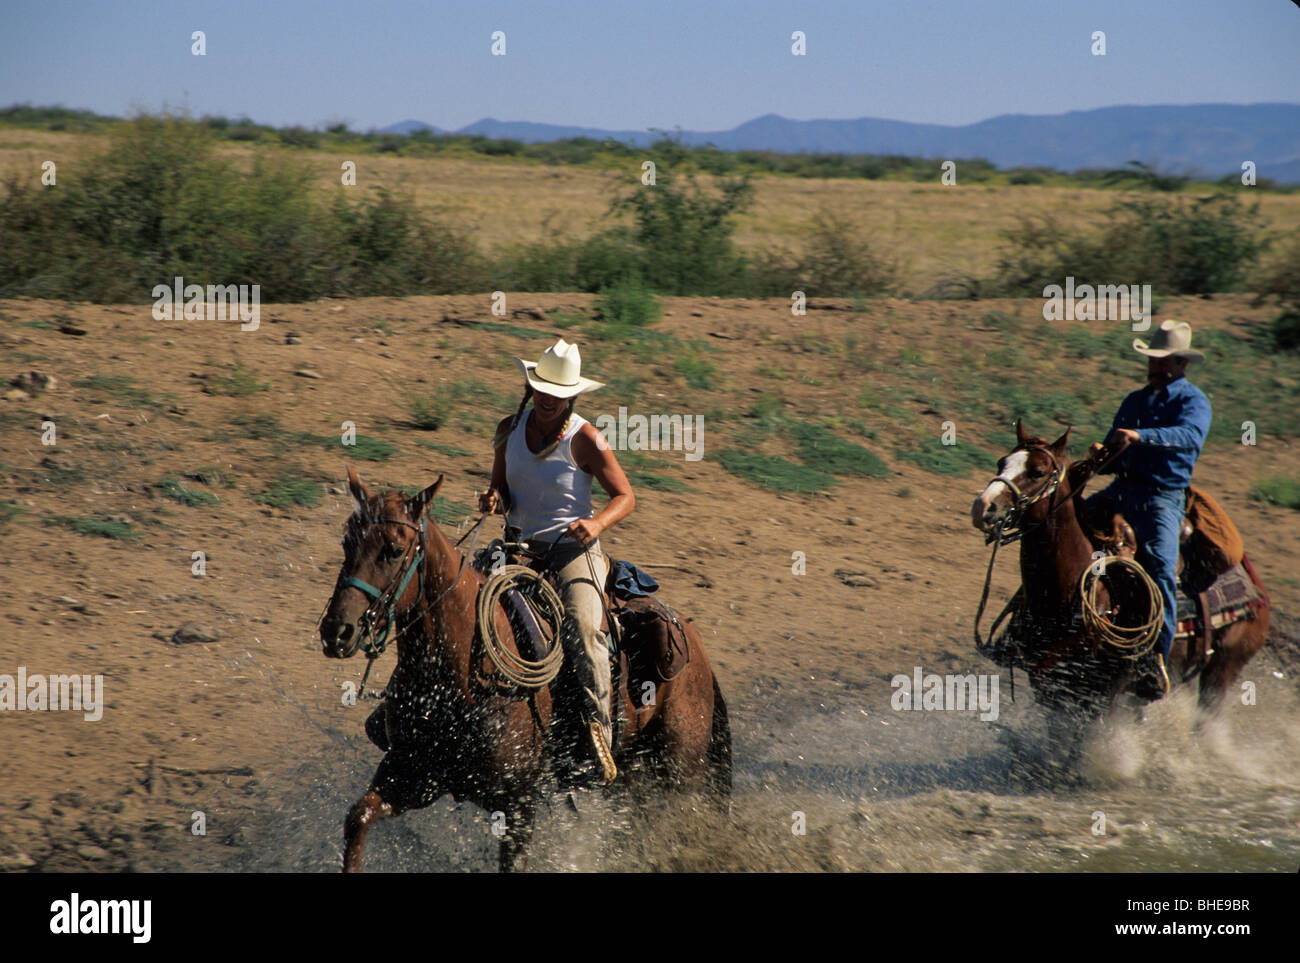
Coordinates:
720 749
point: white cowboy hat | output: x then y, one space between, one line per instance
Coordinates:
1173 338
559 372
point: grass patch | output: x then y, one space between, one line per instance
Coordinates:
57 474
447 512
568 319
1282 491
505 327
121 388
239 382
772 472
429 412
100 527
210 475
823 448
371 449
9 511
288 490
697 372
941 459
173 488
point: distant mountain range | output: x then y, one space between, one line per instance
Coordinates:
1201 139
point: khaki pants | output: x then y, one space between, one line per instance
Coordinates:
580 635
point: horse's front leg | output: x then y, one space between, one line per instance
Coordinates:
512 853
368 810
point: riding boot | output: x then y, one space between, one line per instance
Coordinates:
587 645
1152 680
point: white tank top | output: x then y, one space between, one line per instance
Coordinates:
546 494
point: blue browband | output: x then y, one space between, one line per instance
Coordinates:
377 642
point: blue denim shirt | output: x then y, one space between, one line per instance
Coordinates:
1171 423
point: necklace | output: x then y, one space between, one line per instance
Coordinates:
552 446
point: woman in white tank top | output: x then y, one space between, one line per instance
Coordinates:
542 469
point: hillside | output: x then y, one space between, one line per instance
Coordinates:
178 437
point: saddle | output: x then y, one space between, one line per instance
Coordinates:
1216 585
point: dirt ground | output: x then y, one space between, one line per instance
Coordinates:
893 566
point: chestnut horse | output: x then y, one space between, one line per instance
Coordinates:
1038 493
451 725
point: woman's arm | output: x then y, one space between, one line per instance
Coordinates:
498 494
593 455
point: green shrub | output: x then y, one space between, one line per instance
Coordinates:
159 203
683 233
629 303
1178 246
837 261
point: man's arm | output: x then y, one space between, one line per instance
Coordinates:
1189 434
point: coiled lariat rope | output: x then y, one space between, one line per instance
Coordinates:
514 668
1132 642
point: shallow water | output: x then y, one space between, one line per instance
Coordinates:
873 789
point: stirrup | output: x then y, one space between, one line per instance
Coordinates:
602 751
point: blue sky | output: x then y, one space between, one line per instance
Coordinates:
700 66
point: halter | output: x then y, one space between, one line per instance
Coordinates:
1009 529
385 602
373 644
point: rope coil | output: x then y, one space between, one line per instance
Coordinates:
525 673
1132 642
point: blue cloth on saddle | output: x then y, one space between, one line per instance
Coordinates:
630 582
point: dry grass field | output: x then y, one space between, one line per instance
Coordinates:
933 231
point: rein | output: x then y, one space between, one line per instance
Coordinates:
1009 530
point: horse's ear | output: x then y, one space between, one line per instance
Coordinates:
1021 438
1058 446
419 502
358 490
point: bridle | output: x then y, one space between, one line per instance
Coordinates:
1008 528
383 611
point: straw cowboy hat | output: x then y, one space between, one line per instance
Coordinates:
1172 339
559 372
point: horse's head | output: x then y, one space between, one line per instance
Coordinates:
1027 475
383 545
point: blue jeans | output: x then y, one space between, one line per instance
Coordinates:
1156 515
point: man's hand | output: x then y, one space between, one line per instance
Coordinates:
584 530
489 501
1127 435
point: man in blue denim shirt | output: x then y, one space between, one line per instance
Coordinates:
1163 426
